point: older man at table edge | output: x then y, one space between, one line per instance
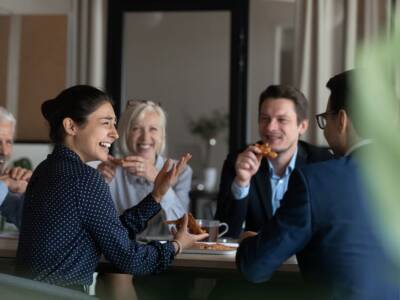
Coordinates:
13 181
251 186
324 219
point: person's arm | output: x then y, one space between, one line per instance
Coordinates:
11 209
230 210
175 202
3 192
135 219
100 218
11 205
286 234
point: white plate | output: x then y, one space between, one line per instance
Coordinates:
210 251
160 238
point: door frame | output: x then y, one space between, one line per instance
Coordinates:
239 11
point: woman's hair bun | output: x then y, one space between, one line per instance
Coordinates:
50 108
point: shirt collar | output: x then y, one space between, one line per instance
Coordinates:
159 162
358 145
289 168
60 150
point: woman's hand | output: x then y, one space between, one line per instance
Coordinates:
186 239
107 169
181 166
165 179
138 166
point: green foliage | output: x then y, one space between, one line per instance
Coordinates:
378 96
207 127
23 162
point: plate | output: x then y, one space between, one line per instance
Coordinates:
199 248
159 238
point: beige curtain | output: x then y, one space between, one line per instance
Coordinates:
327 34
88 36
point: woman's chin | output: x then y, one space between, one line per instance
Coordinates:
147 154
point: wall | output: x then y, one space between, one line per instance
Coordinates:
42 69
4 32
182 61
203 77
35 152
267 18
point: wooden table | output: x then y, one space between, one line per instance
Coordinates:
185 262
200 276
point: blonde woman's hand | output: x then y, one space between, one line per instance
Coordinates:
181 165
168 176
186 239
139 166
107 168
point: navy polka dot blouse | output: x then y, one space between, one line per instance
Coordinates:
69 220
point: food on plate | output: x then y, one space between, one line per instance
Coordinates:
193 227
214 247
266 150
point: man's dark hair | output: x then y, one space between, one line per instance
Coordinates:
288 92
340 87
342 93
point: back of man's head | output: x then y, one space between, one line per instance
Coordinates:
287 92
342 95
341 92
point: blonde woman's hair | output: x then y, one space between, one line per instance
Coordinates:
134 111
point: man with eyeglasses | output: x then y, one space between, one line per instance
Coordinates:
251 186
324 219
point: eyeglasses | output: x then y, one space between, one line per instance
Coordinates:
134 102
321 118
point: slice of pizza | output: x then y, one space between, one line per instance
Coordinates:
193 227
117 161
266 150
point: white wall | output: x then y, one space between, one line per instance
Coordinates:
35 6
180 59
197 46
267 17
35 152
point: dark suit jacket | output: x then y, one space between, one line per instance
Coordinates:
324 217
256 208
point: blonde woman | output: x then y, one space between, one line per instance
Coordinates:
142 131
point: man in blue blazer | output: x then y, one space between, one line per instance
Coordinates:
251 185
325 219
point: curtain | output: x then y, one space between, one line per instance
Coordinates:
88 33
327 35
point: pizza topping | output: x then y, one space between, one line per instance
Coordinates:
266 150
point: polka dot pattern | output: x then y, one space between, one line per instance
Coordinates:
69 220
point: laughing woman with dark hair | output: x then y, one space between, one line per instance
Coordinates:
69 218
